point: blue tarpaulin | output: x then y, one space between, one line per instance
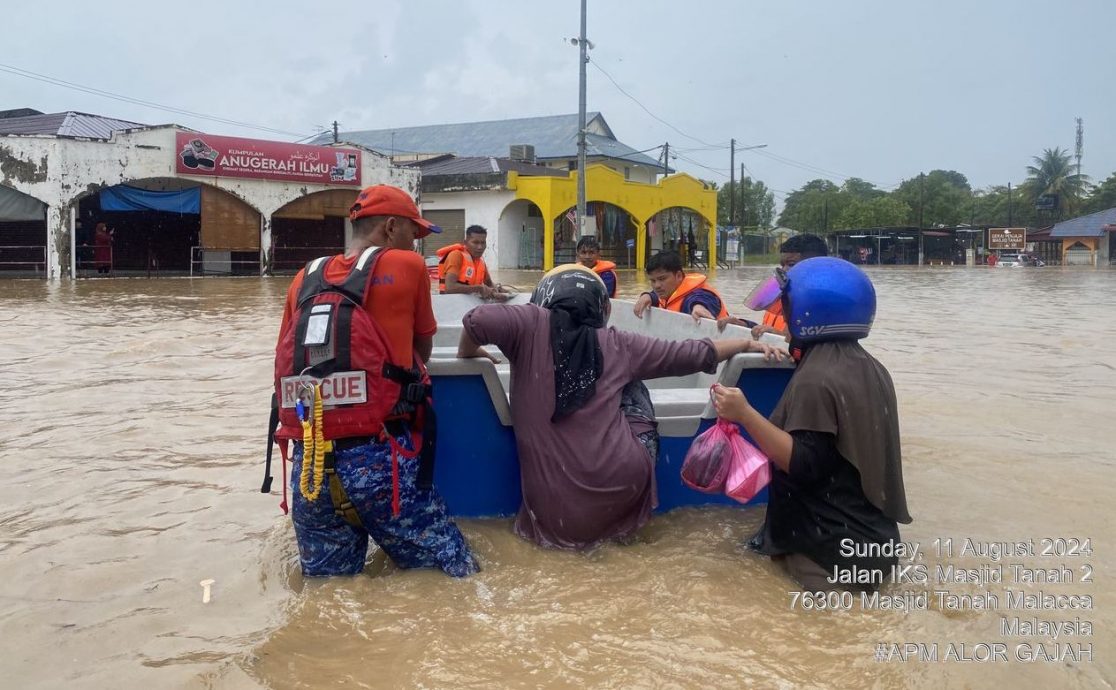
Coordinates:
125 198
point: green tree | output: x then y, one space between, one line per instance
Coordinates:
805 209
1102 197
1054 174
995 207
940 197
861 190
880 212
755 203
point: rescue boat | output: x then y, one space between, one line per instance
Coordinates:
480 478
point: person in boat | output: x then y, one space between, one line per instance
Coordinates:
362 324
461 268
836 494
795 249
675 290
589 256
584 425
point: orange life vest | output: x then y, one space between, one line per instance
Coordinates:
473 271
692 282
602 267
774 317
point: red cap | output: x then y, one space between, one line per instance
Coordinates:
386 200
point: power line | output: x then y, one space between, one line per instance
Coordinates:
54 81
641 105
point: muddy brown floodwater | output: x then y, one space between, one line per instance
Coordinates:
132 441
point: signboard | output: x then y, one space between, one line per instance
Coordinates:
207 155
1007 238
629 244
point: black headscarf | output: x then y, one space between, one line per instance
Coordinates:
576 299
838 388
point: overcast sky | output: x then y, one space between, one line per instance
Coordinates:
874 89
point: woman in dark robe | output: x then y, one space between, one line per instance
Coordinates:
584 425
836 494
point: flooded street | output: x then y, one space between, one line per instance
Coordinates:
133 439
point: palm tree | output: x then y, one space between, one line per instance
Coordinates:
1054 173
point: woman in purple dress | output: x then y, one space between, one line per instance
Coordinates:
584 425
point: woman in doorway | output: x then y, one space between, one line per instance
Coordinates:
102 249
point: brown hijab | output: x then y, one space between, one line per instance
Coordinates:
838 388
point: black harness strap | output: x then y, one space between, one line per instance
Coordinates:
272 425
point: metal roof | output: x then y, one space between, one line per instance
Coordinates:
67 124
553 136
482 165
1091 225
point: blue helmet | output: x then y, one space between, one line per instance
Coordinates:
829 299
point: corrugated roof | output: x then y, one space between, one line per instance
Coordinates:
482 165
1091 225
67 124
553 136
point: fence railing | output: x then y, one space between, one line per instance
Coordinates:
28 258
291 259
224 261
85 259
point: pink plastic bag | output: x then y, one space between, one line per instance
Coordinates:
707 462
749 470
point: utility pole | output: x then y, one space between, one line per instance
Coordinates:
335 138
583 46
743 200
732 182
666 159
1009 206
921 204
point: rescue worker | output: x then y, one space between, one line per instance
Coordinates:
795 249
675 290
363 323
589 256
461 270
836 493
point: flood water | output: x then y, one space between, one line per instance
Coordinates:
132 435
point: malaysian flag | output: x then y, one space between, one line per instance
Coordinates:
571 215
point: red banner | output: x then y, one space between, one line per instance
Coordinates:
209 155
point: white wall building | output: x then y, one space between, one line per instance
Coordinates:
60 160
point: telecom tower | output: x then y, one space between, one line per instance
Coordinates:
1080 146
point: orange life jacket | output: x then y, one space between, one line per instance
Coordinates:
331 340
473 271
692 282
774 317
602 267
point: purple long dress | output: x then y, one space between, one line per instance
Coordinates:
585 478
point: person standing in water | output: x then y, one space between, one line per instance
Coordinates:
362 325
584 425
836 494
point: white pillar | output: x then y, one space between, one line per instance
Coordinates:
56 233
265 244
73 244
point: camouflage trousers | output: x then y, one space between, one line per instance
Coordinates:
421 536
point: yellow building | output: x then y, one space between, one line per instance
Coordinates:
644 204
518 179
